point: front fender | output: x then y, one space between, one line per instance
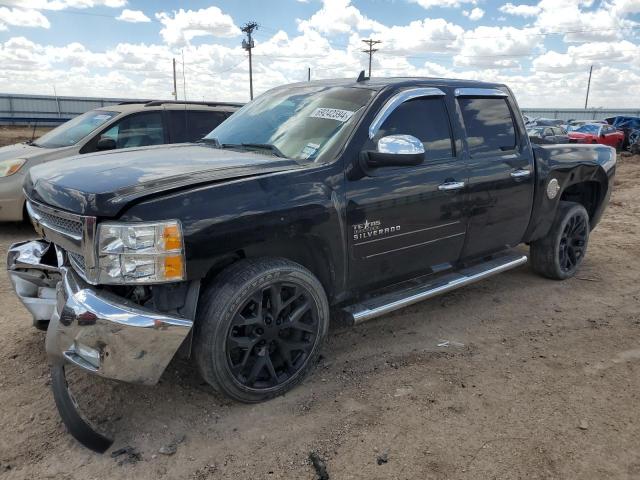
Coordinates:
296 215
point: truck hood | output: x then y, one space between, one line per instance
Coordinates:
103 184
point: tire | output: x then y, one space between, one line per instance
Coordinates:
558 255
250 347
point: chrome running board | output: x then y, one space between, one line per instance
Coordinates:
381 305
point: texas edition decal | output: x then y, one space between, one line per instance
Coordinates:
370 230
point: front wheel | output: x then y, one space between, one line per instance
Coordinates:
559 254
259 328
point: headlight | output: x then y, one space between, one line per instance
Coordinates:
9 167
140 252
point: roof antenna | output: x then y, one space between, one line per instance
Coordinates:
361 77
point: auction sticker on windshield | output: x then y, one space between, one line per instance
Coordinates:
332 114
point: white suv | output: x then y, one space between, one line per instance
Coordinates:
125 125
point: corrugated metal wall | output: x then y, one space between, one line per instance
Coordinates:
580 113
47 109
50 110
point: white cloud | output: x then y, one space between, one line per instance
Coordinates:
603 24
133 16
475 14
184 25
625 7
18 17
497 47
581 57
428 36
515 56
443 3
63 4
520 10
338 16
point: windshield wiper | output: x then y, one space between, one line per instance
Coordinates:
210 141
265 146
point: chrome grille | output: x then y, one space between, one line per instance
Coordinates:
77 262
73 233
56 222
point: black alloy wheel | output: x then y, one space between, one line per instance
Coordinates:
573 243
259 328
559 254
271 336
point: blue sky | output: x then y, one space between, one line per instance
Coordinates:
123 48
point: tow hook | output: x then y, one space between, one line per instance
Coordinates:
77 426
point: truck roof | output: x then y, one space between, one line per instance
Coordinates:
127 107
383 82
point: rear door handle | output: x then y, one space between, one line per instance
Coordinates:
520 173
447 186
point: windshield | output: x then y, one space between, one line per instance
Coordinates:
74 130
588 129
299 123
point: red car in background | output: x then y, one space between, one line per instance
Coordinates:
597 133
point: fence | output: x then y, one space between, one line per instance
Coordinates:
580 113
51 110
47 109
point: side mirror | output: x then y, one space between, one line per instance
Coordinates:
395 151
106 143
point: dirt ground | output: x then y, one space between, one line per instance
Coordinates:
15 134
539 379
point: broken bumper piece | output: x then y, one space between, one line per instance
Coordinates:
92 328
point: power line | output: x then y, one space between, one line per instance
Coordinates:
215 73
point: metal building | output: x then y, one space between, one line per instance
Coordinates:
47 109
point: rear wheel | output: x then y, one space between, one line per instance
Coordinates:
559 254
259 329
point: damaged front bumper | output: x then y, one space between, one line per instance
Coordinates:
90 327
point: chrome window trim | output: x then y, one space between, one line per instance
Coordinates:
397 100
83 245
480 92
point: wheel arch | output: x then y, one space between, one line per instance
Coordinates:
311 253
587 184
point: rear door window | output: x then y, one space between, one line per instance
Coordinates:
426 119
193 125
489 125
137 130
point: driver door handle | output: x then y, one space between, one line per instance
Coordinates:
520 173
447 186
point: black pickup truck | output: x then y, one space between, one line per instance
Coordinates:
351 198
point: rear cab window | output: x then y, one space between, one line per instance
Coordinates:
489 125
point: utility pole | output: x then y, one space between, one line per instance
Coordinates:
586 101
184 79
370 50
248 45
175 85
